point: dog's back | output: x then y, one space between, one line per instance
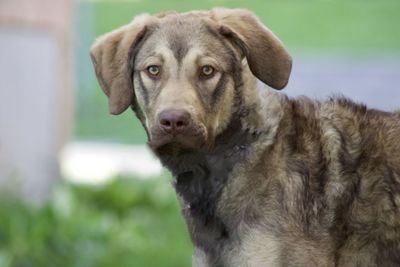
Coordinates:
367 210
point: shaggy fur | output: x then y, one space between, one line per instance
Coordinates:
264 180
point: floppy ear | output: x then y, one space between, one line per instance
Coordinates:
268 59
111 54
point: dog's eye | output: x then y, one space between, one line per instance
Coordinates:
207 71
153 70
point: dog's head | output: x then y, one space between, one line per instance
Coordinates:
183 74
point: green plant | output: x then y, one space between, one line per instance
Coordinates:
128 222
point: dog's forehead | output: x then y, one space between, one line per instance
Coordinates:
179 33
185 28
190 20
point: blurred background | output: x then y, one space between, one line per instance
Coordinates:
77 186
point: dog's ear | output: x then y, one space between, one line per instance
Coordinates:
268 59
111 56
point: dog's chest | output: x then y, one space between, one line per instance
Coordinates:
253 248
200 189
223 239
199 186
200 177
248 247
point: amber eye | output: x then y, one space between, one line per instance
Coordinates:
207 71
153 70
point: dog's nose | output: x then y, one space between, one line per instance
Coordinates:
174 121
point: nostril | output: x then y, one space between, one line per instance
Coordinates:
165 123
180 124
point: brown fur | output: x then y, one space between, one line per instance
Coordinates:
264 180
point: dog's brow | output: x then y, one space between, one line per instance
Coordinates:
151 59
179 47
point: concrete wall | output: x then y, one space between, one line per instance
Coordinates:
35 93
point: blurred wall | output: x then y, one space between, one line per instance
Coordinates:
36 94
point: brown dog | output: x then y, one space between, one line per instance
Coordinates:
264 180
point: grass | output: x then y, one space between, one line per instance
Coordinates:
340 25
93 121
127 223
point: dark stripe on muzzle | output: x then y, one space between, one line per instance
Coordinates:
143 89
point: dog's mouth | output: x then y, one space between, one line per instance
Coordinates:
166 143
175 141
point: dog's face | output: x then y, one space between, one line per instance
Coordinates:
184 73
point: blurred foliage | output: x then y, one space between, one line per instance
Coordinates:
127 222
343 25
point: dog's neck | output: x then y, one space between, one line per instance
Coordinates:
209 166
200 176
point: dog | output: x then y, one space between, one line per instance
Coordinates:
263 179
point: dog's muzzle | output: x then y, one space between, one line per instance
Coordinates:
177 127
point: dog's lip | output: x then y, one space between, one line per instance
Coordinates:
194 137
160 141
183 140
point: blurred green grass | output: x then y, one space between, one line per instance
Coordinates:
342 25
360 27
126 223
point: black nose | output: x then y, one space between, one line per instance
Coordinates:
174 121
